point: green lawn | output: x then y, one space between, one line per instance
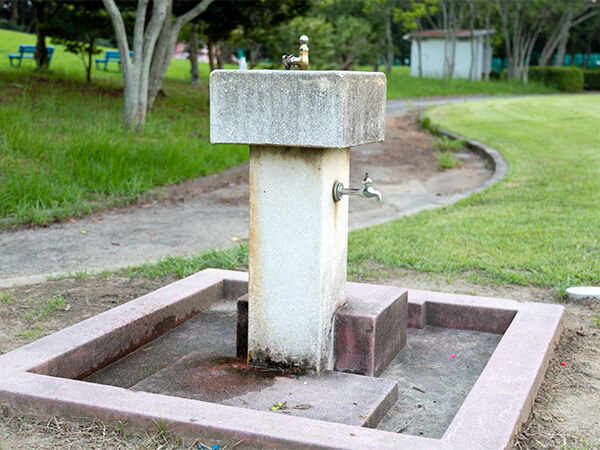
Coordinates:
63 151
541 225
402 85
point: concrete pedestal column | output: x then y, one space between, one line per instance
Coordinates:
298 252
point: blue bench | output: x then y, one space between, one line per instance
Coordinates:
27 51
110 56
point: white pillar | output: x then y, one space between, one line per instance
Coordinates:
298 252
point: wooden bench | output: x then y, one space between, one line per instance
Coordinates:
27 52
110 56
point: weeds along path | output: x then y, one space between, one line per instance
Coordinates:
213 211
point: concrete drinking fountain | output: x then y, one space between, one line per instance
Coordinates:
291 355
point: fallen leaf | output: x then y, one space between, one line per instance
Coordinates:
235 239
277 406
83 232
115 243
152 234
72 220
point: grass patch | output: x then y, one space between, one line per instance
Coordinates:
7 297
31 334
539 226
46 308
446 144
446 160
402 85
64 153
183 266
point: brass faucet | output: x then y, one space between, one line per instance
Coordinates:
301 61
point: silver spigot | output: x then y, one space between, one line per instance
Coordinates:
366 191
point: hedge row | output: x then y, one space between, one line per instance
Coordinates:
566 79
592 79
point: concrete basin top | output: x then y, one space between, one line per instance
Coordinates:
297 108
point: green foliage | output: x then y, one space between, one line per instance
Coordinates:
444 143
592 79
446 160
32 333
538 226
183 266
402 85
495 75
46 308
6 297
565 79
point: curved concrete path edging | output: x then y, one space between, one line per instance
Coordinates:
493 156
499 164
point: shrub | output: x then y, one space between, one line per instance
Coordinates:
592 79
494 75
565 79
446 160
450 145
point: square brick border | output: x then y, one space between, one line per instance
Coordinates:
42 378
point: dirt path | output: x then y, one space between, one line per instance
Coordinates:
566 412
211 211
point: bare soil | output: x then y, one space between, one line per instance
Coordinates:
566 412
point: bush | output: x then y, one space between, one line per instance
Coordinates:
494 75
446 160
592 79
565 79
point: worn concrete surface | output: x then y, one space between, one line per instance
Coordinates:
325 109
197 360
116 239
291 311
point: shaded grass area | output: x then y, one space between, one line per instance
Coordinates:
63 151
540 226
402 85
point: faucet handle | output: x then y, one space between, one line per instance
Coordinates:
291 61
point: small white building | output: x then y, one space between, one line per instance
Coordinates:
434 47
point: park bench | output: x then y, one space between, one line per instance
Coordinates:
110 56
27 51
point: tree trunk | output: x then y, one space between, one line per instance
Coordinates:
389 40
419 39
211 55
472 36
194 72
254 53
153 45
15 12
41 53
88 68
487 43
561 50
219 56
